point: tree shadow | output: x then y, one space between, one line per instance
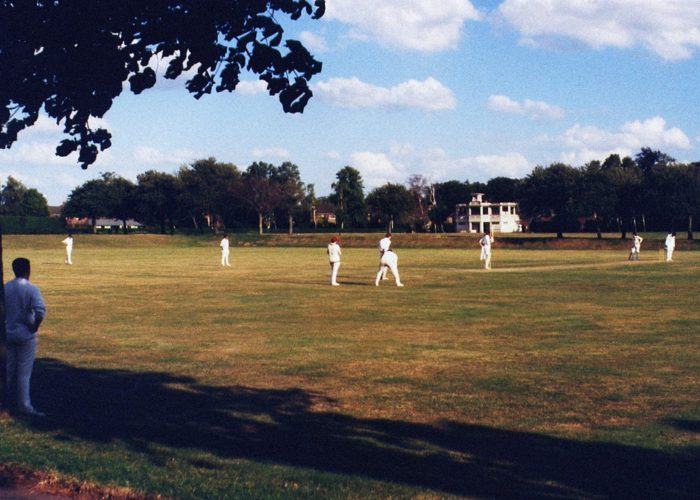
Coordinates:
150 410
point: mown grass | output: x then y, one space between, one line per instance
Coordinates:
560 373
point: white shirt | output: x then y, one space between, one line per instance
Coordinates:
384 245
23 306
485 242
224 244
670 242
334 252
638 242
69 243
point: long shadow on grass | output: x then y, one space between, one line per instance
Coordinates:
148 411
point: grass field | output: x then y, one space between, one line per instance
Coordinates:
570 374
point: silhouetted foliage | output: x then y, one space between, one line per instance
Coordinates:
72 58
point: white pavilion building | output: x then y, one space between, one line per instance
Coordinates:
481 216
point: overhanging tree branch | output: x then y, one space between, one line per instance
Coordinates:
72 58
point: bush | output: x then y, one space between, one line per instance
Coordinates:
26 224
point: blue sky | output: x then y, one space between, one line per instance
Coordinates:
450 89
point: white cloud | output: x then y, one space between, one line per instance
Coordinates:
145 155
377 168
669 28
533 109
505 165
428 95
270 152
412 24
252 87
588 143
401 160
504 104
313 42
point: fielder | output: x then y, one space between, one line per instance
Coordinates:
485 243
670 246
224 251
334 259
68 242
636 246
384 246
388 261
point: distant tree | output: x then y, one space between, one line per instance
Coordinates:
391 204
309 204
35 203
260 192
676 191
291 191
551 191
612 161
596 195
17 199
158 198
446 196
119 198
647 158
88 200
209 189
419 187
71 59
348 198
502 189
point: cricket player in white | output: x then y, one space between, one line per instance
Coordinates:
670 246
224 251
636 246
384 246
485 243
389 260
68 242
334 254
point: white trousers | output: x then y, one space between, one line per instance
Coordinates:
669 254
69 254
20 361
382 272
383 269
486 257
334 272
224 258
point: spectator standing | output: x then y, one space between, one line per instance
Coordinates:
25 311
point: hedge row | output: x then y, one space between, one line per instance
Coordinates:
26 224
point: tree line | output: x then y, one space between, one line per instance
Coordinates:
650 192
